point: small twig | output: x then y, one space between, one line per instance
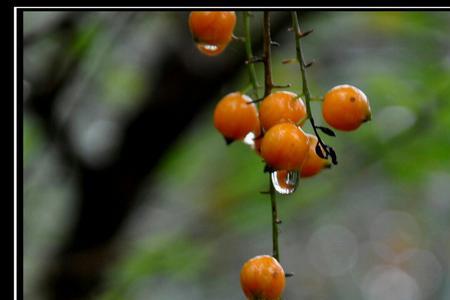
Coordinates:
298 35
268 85
249 53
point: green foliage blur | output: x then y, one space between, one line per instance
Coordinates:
376 226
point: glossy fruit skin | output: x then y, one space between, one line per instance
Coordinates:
345 108
285 147
281 107
235 116
212 27
313 163
262 277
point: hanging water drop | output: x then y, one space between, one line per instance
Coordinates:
285 182
210 50
250 140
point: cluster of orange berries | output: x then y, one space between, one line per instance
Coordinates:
279 138
276 134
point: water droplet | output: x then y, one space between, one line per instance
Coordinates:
210 50
250 140
285 182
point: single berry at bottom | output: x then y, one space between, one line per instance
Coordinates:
262 277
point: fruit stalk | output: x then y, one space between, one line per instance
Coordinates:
305 89
249 54
268 85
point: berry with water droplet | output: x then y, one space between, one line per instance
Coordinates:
285 147
346 107
235 116
210 50
212 30
280 107
262 277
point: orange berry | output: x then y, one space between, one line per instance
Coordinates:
281 107
346 107
262 277
235 116
313 163
285 147
213 28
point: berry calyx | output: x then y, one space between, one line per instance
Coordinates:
235 116
346 107
281 107
262 277
313 163
285 147
212 30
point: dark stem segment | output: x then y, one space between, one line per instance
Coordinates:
268 85
305 89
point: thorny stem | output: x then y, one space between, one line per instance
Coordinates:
298 46
249 53
268 85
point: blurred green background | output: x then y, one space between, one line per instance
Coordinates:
376 226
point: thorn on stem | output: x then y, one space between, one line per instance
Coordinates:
281 86
254 59
278 221
238 38
289 61
308 64
273 43
305 33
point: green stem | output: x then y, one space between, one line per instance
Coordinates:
249 54
275 221
298 46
